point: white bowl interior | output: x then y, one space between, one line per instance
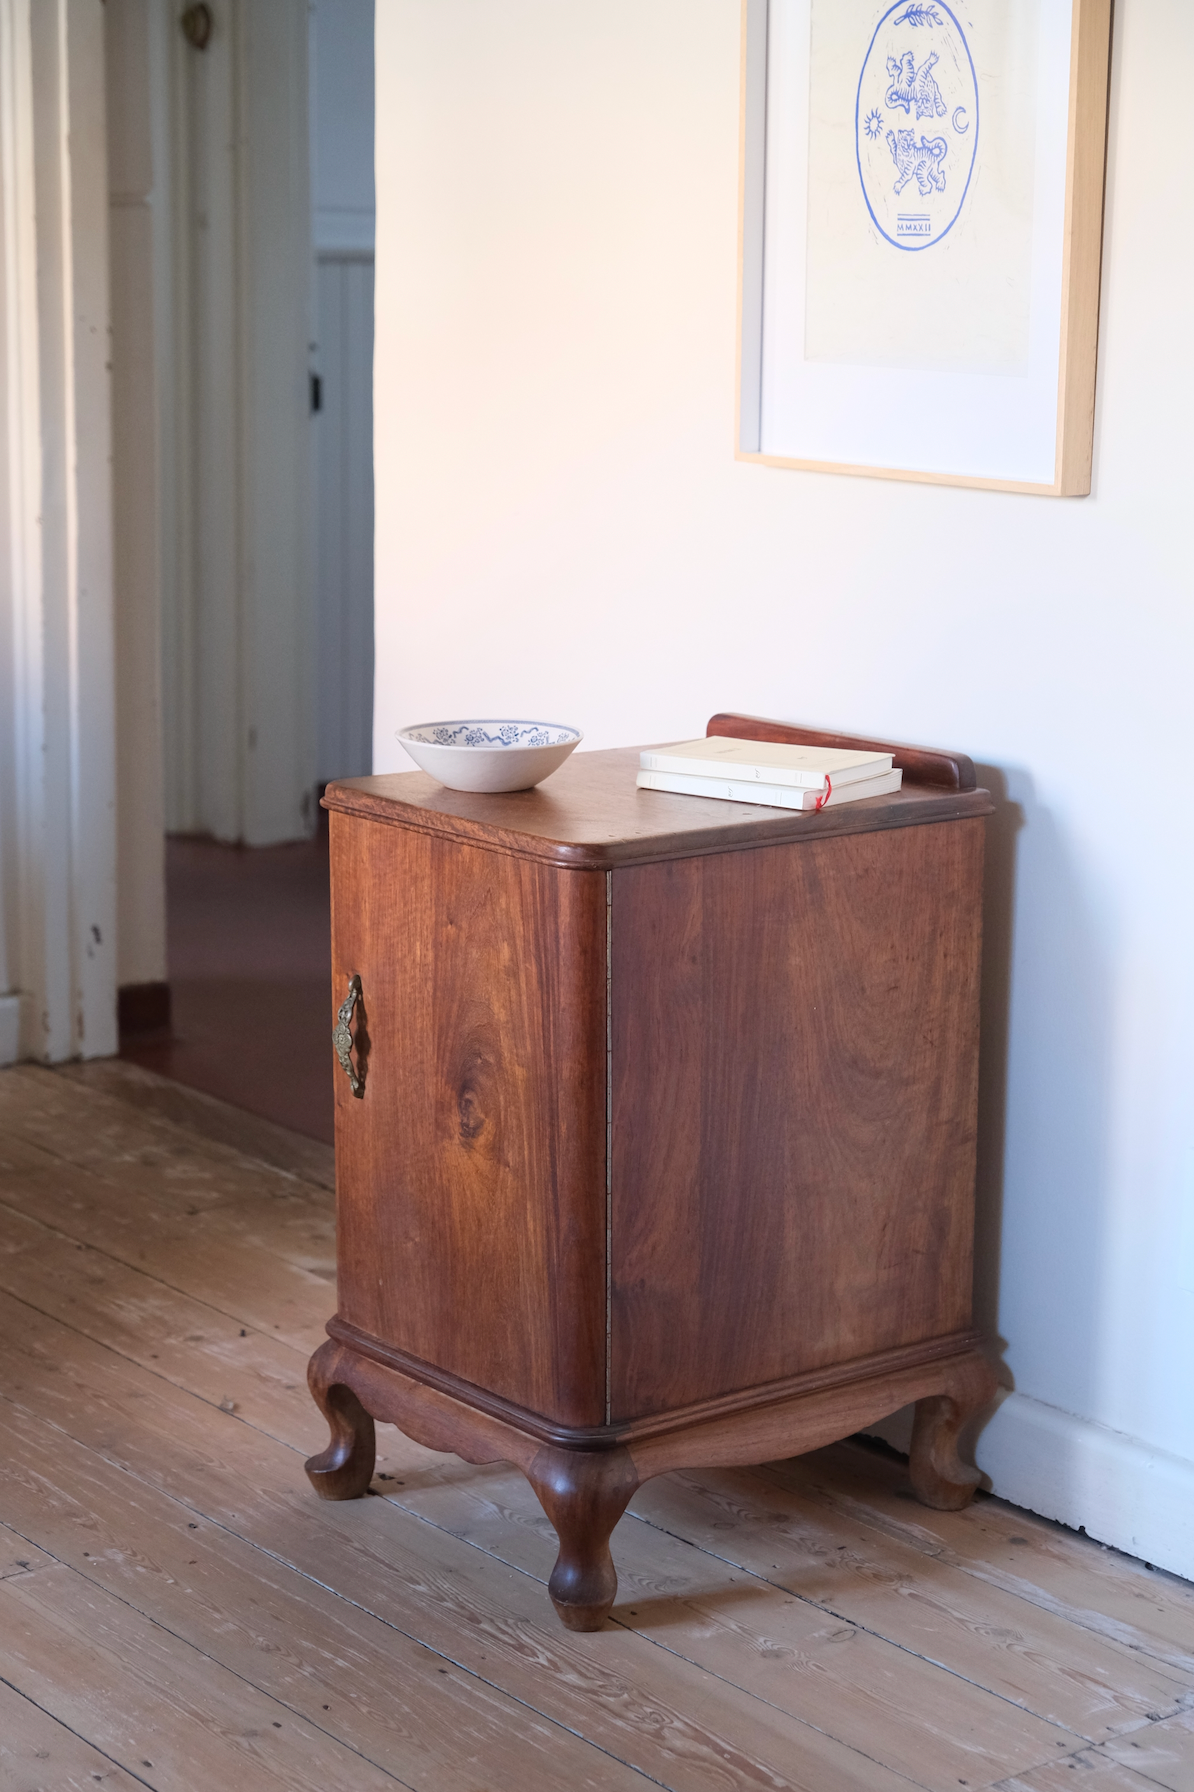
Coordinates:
490 734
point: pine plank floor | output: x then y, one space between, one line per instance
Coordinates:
178 1610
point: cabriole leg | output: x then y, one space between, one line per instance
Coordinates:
344 1470
939 1476
584 1493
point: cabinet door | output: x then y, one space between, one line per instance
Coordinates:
471 1174
794 1075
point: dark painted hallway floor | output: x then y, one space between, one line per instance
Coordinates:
250 968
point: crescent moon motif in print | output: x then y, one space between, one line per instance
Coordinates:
961 123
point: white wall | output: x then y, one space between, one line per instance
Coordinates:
563 531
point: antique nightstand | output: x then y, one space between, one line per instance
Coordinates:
656 1147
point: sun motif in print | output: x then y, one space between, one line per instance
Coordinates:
872 124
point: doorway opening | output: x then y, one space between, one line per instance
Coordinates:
242 211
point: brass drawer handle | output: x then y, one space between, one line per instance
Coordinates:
342 1038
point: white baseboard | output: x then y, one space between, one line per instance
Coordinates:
1116 1488
10 1029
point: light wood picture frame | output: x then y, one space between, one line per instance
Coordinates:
860 353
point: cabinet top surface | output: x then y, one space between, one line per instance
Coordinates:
591 816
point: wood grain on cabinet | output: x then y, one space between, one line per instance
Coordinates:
471 1177
795 1054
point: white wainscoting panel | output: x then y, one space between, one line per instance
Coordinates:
1118 1489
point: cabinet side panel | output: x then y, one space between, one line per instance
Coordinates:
471 1176
795 1059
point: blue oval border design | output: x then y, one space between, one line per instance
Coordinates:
916 248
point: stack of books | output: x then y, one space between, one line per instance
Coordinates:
754 771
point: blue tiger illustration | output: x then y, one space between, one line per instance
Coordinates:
912 86
920 161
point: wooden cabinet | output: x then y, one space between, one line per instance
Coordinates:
658 1146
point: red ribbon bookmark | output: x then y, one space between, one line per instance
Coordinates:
823 799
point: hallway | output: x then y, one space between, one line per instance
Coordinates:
249 958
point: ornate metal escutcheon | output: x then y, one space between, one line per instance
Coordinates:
342 1038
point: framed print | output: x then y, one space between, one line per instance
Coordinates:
921 237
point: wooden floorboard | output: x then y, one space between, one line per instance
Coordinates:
1082 1682
163 1708
172 1592
195 1346
18 1556
1087 1772
936 1728
314 1656
1164 1753
40 1754
1095 1587
202 1114
201 1234
672 1723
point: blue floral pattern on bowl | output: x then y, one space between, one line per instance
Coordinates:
488 754
492 734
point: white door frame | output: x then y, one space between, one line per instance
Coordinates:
57 736
234 306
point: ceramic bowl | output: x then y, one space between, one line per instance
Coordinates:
489 755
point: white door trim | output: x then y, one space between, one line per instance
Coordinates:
57 756
238 622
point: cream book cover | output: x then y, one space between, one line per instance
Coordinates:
766 762
775 796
